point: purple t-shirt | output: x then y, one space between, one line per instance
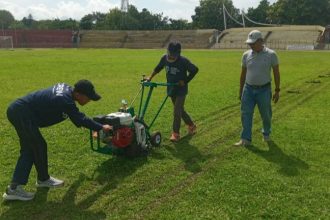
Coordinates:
181 69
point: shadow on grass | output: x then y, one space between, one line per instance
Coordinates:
40 208
289 165
109 174
114 170
187 153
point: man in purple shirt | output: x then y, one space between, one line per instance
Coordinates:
178 70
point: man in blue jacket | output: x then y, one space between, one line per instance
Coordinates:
40 109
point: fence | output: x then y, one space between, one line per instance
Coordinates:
40 38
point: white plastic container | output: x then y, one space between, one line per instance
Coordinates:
125 118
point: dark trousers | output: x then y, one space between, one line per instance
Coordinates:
179 112
33 145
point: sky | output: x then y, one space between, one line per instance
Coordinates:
76 9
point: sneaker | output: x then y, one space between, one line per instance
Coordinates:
192 129
50 183
266 138
17 194
175 137
242 143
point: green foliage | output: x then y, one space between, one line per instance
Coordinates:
149 21
93 21
29 22
86 22
260 13
180 24
6 19
201 177
135 20
303 12
210 14
57 24
17 25
117 20
295 12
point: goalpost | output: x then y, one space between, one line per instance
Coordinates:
225 12
6 42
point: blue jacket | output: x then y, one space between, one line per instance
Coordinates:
55 104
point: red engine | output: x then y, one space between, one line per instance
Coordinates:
122 137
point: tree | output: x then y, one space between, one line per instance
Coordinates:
6 19
210 14
96 20
29 22
100 19
303 12
260 14
86 22
113 19
147 20
17 25
134 20
179 24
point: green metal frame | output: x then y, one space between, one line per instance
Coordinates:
143 106
151 86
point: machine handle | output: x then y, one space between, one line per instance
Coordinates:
155 84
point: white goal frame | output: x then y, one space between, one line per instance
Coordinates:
6 42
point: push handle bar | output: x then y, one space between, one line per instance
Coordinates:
155 84
146 83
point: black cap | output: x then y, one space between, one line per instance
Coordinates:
86 88
174 49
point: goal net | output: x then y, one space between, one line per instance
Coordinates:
6 42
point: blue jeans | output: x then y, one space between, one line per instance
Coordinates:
250 98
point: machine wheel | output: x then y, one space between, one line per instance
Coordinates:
156 139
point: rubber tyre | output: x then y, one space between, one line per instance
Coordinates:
156 139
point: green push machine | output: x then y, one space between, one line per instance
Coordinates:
130 135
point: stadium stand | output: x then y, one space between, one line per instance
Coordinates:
147 39
280 37
102 39
199 39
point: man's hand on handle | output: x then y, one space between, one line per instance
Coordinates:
105 128
147 79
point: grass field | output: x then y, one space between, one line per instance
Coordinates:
203 177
